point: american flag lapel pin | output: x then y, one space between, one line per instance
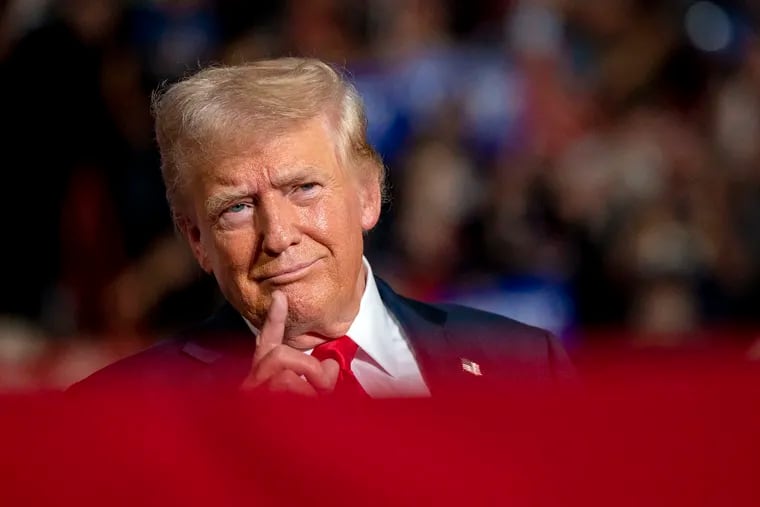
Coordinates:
471 367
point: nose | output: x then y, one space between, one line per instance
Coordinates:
278 227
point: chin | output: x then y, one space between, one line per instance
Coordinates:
309 311
309 305
304 316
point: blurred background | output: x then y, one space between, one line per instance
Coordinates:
589 167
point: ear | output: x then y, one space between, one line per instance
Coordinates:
192 234
369 201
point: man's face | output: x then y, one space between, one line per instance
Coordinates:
286 216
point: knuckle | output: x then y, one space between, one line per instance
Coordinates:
278 353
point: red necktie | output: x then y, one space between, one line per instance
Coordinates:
343 350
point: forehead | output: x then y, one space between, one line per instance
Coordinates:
308 145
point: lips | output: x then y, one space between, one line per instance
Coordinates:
286 274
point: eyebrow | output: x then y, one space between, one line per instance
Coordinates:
220 200
295 175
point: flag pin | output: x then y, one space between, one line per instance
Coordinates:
471 367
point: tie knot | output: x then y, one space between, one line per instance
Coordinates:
341 349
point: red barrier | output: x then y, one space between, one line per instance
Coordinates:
683 432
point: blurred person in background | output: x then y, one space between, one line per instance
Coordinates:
273 185
61 103
98 259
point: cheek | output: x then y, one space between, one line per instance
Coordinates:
333 225
232 251
320 219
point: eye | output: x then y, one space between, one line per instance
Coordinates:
237 208
235 216
306 187
307 190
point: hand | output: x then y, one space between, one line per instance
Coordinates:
279 367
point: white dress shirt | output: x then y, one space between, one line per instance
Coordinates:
384 364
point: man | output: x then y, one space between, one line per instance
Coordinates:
273 185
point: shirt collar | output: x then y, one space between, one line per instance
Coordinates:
372 329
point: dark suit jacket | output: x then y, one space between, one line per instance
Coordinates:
443 337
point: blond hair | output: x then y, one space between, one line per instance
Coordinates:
219 110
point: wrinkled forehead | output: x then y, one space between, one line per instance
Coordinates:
250 140
301 145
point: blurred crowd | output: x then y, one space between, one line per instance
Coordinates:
576 165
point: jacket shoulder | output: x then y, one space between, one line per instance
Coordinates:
154 365
515 348
459 315
177 361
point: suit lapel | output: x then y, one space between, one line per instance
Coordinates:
424 328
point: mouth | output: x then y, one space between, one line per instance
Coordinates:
289 274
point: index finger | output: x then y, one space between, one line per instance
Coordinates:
272 332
